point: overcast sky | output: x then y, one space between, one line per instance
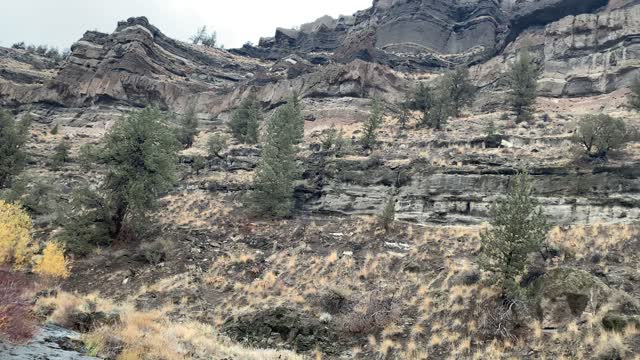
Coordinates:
62 22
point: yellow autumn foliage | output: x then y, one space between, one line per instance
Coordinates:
16 245
53 263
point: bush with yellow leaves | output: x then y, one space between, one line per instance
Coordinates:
16 246
53 263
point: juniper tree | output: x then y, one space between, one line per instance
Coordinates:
523 84
404 114
422 98
601 134
217 144
61 154
245 121
518 228
188 126
277 172
140 153
461 91
13 137
371 126
388 215
440 110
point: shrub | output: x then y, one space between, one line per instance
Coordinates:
522 78
245 121
217 144
371 126
13 137
276 173
202 37
16 245
199 163
55 130
404 114
634 97
61 154
17 322
601 134
88 223
53 262
388 215
518 228
422 98
188 126
328 140
441 109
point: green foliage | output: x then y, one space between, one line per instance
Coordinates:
328 140
88 155
634 97
422 98
140 152
245 121
202 37
217 144
523 84
461 91
388 215
600 134
518 228
199 163
61 154
54 131
490 129
370 132
13 137
188 126
440 110
277 171
404 114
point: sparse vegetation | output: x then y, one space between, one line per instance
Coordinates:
461 91
388 215
204 38
522 79
13 137
277 171
601 134
16 245
199 163
518 228
188 126
53 262
217 144
372 125
245 121
61 154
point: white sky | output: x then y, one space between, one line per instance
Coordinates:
62 22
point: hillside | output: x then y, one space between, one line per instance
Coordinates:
209 279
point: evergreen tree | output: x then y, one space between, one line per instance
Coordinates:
461 91
61 154
518 228
277 172
245 121
13 137
404 114
601 134
634 97
422 98
217 144
388 215
441 109
523 84
188 126
140 153
371 126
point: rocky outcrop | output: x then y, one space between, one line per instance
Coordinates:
52 342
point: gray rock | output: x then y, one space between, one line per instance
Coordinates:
51 342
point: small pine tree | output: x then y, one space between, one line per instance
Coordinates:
634 97
61 154
404 114
13 137
328 140
371 126
188 126
388 215
518 228
54 131
245 121
217 144
140 152
277 171
523 84
461 91
441 109
422 98
199 163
